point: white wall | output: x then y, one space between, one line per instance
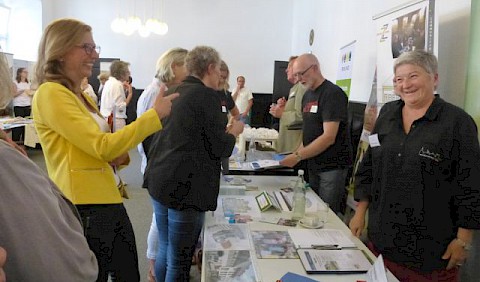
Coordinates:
249 34
339 22
24 29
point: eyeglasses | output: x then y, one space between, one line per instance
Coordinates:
300 74
89 48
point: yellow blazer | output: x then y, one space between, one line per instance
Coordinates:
76 150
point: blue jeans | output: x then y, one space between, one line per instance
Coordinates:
178 232
330 186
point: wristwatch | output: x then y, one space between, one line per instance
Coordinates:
299 157
466 246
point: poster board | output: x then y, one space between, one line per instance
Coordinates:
405 28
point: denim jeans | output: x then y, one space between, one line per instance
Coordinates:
330 186
178 232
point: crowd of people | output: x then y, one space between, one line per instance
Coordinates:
422 164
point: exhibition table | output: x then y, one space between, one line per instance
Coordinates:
268 269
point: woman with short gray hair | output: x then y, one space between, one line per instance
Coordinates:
182 174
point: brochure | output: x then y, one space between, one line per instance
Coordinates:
334 261
273 244
226 237
223 266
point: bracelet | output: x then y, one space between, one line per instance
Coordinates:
466 246
299 157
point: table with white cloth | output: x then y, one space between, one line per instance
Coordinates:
268 270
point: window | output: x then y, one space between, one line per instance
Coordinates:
4 20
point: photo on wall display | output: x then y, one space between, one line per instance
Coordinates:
410 27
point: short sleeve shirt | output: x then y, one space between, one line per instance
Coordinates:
327 103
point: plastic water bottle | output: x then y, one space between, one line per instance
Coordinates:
299 197
251 153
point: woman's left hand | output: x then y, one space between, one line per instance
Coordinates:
121 160
456 254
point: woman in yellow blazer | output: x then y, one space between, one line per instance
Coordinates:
79 149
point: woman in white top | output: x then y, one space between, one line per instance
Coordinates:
22 102
88 89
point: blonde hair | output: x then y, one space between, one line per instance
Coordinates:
103 75
224 67
174 56
6 85
58 38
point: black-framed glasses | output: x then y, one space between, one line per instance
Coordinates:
300 74
89 48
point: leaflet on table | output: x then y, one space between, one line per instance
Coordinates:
241 205
232 265
320 238
377 272
333 261
265 164
227 237
232 190
273 244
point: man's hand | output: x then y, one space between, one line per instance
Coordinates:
289 160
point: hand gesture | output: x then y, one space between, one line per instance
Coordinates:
235 127
281 102
455 253
289 161
163 105
357 223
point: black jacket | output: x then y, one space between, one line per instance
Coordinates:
183 170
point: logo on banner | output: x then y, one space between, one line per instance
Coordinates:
384 32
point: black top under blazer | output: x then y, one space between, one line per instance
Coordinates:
183 168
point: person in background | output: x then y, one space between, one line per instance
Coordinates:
326 145
102 78
113 95
183 169
170 72
131 101
88 89
22 102
419 178
243 98
228 105
80 150
289 112
59 251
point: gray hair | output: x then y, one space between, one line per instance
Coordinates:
421 58
174 56
200 58
119 69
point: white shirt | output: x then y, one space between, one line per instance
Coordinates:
23 99
113 94
243 97
145 102
89 90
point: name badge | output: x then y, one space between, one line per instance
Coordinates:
314 109
291 94
373 140
224 109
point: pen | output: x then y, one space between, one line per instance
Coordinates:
326 247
